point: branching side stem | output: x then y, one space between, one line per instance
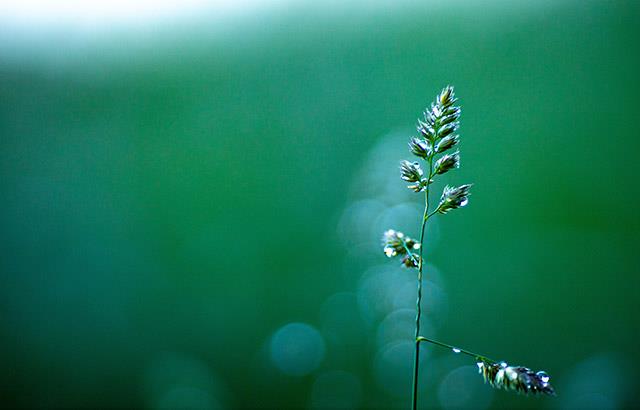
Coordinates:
476 356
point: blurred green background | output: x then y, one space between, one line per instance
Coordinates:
191 208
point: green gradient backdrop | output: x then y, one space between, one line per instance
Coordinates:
180 193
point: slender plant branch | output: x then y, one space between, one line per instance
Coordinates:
454 349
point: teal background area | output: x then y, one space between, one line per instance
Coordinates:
191 212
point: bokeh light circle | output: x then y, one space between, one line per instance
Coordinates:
179 381
297 349
393 367
598 382
463 388
399 326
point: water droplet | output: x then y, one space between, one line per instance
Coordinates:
503 364
416 246
543 376
464 202
455 350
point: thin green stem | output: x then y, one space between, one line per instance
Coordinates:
425 218
457 349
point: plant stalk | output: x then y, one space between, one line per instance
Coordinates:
416 361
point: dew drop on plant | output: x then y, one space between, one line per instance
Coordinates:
543 376
464 202
455 350
389 251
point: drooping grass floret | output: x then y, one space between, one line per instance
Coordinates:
516 378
